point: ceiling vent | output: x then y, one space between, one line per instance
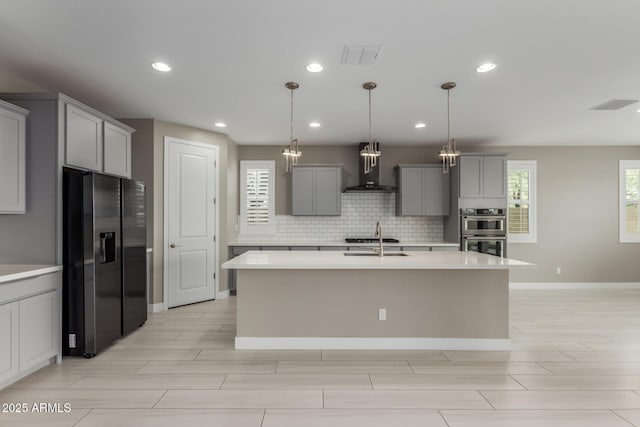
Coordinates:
360 54
614 104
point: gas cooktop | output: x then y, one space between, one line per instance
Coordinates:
369 240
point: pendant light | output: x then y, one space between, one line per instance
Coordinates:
371 151
448 153
291 152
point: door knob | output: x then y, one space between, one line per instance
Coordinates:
173 246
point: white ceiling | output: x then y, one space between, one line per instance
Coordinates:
230 59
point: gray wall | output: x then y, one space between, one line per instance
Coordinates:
577 204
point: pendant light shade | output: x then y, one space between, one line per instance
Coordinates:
291 151
371 151
448 153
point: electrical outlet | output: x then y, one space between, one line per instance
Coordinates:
382 314
72 340
558 270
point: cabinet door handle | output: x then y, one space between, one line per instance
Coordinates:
173 246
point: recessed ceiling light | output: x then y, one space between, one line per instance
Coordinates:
420 125
314 67
485 67
161 66
220 125
314 124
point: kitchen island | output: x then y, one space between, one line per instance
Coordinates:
352 300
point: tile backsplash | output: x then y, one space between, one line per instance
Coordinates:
360 212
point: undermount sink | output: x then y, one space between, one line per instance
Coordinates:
372 254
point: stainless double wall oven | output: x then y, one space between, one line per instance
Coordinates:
484 230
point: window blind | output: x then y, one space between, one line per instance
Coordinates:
521 201
257 196
632 200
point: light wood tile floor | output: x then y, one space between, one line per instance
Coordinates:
575 362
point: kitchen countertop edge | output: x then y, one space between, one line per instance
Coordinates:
312 243
334 260
13 272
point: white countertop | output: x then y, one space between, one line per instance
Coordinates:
304 260
338 243
11 272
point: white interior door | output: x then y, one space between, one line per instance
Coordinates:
190 221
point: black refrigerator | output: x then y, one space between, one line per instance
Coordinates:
104 258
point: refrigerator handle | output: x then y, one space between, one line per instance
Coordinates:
103 249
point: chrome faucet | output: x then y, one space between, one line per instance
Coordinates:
379 249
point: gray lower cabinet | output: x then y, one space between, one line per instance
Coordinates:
416 248
429 248
445 248
30 325
483 176
9 367
423 190
316 190
234 251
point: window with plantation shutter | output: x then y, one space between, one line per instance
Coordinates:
257 197
521 199
629 200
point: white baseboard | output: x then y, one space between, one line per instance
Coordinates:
223 294
574 285
344 343
155 308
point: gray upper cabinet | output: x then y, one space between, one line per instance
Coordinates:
423 190
494 176
302 191
83 139
483 176
470 176
117 151
96 142
316 190
12 158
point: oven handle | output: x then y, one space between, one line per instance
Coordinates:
478 218
484 237
467 219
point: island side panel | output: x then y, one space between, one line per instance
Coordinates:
345 303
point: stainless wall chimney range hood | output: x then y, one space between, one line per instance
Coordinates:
369 182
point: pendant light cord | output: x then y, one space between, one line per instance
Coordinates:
291 137
448 116
370 141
